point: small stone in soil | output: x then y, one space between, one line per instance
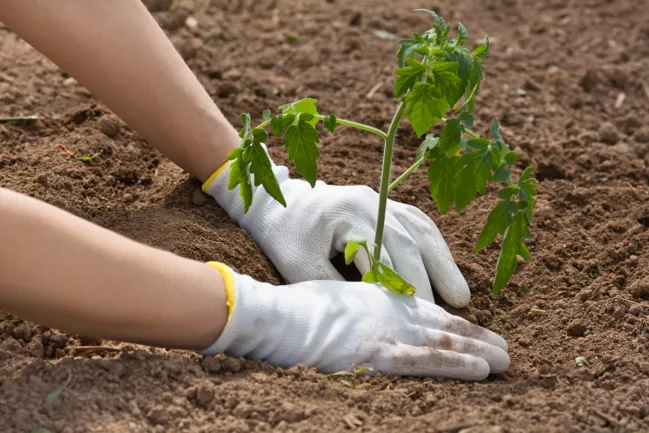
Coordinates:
198 198
42 179
608 133
128 198
109 126
211 364
576 329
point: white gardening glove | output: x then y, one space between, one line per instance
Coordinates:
317 223
331 325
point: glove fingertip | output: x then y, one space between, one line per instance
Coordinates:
455 291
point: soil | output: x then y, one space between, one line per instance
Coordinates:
567 78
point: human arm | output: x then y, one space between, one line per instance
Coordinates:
129 64
62 271
59 270
119 53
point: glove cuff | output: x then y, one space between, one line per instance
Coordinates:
256 220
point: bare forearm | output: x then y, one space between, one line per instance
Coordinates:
118 52
62 271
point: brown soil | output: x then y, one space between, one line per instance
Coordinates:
557 69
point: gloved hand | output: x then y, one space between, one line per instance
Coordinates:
330 325
317 223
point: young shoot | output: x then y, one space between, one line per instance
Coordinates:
437 81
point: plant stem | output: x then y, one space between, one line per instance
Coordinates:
356 125
405 174
385 179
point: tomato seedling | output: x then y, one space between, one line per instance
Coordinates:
437 82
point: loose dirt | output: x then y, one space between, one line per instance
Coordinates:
567 78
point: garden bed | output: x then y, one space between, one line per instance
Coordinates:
567 80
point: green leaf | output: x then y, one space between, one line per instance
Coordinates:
527 192
429 143
466 119
407 50
55 394
259 135
330 123
447 80
511 157
247 122
582 362
500 175
351 249
239 176
441 176
267 115
463 59
277 125
306 105
261 168
425 107
407 77
496 132
393 281
512 247
462 33
526 174
439 21
507 192
300 141
41 430
449 139
482 50
497 222
472 177
370 277
87 158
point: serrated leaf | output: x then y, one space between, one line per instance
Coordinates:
351 249
393 281
462 33
306 105
472 177
441 176
447 80
482 50
300 141
449 139
239 177
429 143
407 77
507 192
261 168
55 394
425 107
497 222
408 48
330 123
466 119
267 115
512 247
439 21
463 59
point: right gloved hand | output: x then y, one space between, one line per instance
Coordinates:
331 325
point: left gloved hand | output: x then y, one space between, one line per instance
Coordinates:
317 223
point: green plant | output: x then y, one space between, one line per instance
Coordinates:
437 82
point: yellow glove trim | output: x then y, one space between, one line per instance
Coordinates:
226 272
214 175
